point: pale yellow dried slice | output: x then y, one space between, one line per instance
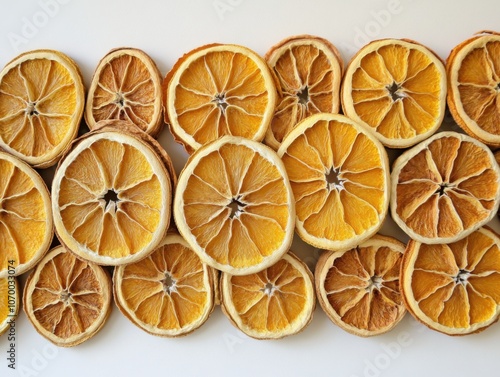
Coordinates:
9 302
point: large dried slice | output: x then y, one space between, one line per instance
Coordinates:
444 188
126 85
217 90
359 288
234 205
271 304
26 227
169 293
41 105
339 175
9 302
454 288
66 299
397 90
309 72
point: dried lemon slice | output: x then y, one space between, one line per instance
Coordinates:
444 188
169 293
9 302
359 288
234 205
309 72
273 303
339 175
67 300
397 90
41 105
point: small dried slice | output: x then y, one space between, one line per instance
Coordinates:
339 175
454 288
216 90
127 85
359 288
271 304
66 299
169 293
234 205
397 90
473 70
444 188
9 302
41 104
26 228
309 72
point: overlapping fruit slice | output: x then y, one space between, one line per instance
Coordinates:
9 302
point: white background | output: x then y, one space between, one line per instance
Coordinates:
86 31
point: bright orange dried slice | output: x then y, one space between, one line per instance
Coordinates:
359 288
66 299
273 303
217 90
454 288
397 90
169 293
234 205
127 85
339 175
444 188
309 71
41 105
9 302
26 227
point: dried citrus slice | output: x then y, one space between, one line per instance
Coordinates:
271 304
111 196
444 188
339 175
26 228
127 86
41 105
359 288
309 72
66 299
234 205
218 90
397 90
169 293
9 302
454 288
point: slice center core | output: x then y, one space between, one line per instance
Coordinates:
303 95
220 101
462 277
120 99
236 207
333 180
31 109
65 296
111 196
269 289
169 284
394 91
375 282
443 188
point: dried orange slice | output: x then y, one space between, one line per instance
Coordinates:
234 205
444 188
397 90
9 302
309 71
271 304
217 90
454 288
339 175
26 228
126 85
66 299
41 105
359 288
111 196
473 70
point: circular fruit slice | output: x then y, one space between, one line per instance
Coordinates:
26 228
127 86
397 90
309 72
444 188
359 288
169 293
454 288
473 70
339 175
9 302
234 205
66 299
41 105
111 196
271 304
218 90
